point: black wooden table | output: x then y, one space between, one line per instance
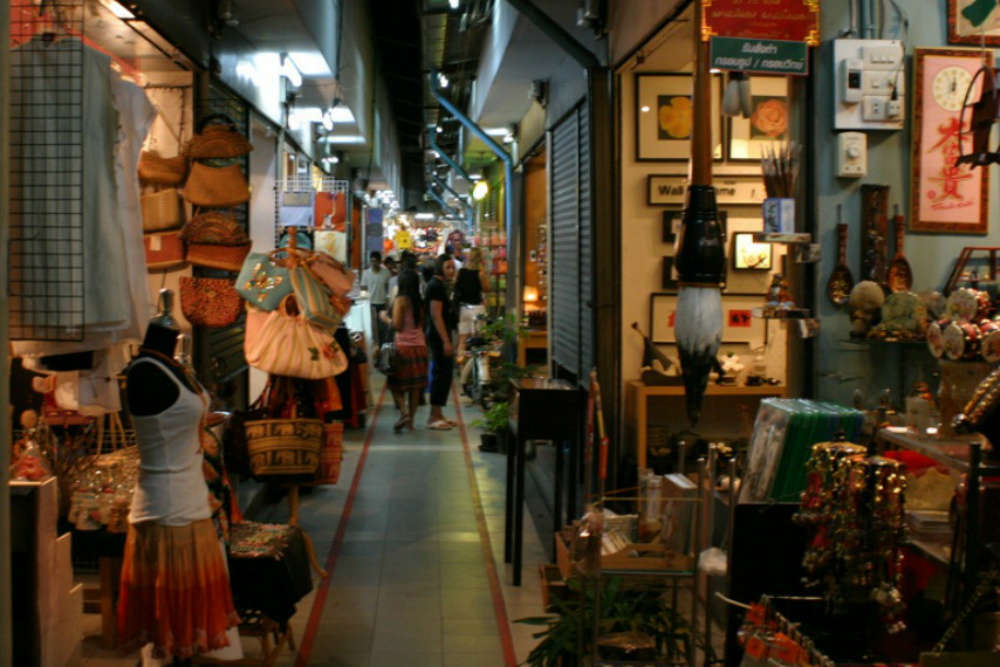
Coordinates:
542 409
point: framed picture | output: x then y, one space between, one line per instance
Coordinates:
945 198
738 323
768 121
664 116
668 282
671 224
748 255
669 190
974 22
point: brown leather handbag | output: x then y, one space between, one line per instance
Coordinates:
217 138
215 240
158 170
164 251
210 302
216 187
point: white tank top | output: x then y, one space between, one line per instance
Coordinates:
171 489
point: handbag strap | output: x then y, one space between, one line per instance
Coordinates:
216 118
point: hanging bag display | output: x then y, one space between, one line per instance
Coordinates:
161 210
313 298
262 282
216 187
284 447
157 170
331 453
217 138
164 251
332 273
210 302
286 344
215 240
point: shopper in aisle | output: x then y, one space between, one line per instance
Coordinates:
376 280
441 321
470 286
409 376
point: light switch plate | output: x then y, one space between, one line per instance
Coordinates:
875 100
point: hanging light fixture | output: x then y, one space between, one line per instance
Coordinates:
480 190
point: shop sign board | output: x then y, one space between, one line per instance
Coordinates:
788 20
759 56
663 190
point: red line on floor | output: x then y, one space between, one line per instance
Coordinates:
499 607
306 644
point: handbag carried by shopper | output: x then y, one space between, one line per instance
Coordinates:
217 138
210 302
286 344
161 210
164 251
215 240
262 282
216 187
158 170
385 360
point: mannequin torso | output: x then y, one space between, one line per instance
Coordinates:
149 391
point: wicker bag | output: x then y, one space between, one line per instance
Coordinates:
161 170
218 138
161 211
282 447
210 302
216 241
216 187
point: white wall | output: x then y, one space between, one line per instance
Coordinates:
629 22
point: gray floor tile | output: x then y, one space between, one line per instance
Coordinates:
405 658
474 659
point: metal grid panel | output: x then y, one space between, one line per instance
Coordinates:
307 184
46 249
586 248
565 244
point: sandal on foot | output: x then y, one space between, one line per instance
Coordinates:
440 425
400 424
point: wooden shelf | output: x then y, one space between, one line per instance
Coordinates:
712 390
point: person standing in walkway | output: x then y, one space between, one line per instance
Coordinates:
441 321
409 374
470 286
376 280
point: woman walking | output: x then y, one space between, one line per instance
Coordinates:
440 325
470 285
409 376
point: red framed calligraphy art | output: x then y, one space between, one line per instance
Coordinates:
943 197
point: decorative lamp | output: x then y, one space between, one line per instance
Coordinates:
480 190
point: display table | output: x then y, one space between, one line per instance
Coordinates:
533 339
637 395
541 409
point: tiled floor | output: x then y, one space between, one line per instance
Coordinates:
410 584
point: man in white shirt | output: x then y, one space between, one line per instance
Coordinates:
376 280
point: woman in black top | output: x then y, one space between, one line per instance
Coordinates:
441 321
470 285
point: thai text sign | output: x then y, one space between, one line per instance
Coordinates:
789 20
761 56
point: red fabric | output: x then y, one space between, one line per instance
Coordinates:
914 462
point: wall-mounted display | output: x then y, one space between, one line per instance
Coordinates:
738 323
944 197
974 22
768 121
664 116
748 255
670 190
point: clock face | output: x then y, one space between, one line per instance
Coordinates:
949 87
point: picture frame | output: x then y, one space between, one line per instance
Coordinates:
738 323
747 255
730 190
668 282
664 117
944 198
671 224
974 23
767 125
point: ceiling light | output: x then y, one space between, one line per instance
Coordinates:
453 4
644 108
475 177
310 63
424 216
480 190
328 120
118 10
343 139
715 70
508 139
496 131
438 129
442 80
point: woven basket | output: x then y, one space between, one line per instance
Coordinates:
281 447
331 454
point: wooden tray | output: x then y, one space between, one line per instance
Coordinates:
652 558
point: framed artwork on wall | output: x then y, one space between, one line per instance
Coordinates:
738 323
664 116
768 121
748 255
945 198
974 22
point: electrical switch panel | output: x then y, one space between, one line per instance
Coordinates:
852 154
870 89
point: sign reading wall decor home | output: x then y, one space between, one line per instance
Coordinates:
662 190
789 20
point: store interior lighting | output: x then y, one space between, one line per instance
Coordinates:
442 80
480 190
424 216
310 63
453 3
475 177
343 139
496 131
118 9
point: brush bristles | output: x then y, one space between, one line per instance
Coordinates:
698 329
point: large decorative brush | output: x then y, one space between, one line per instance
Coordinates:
700 254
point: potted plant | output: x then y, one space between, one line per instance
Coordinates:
496 429
568 636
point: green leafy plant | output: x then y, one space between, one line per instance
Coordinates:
495 419
569 634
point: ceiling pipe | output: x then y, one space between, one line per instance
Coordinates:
513 298
448 210
432 142
465 205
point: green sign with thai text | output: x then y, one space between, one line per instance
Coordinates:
762 56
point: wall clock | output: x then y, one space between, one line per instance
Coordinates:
945 198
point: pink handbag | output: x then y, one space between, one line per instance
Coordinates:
285 343
331 273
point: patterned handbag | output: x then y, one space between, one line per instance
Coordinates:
216 187
313 298
331 273
217 138
210 302
262 282
215 240
286 344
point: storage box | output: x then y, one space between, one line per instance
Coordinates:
638 558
